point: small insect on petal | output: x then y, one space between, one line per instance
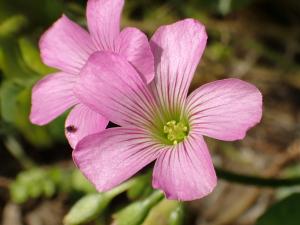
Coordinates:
71 129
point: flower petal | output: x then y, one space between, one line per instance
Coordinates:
134 46
110 85
82 122
225 109
66 46
185 171
51 96
111 157
103 17
177 49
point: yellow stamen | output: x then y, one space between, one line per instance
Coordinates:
176 132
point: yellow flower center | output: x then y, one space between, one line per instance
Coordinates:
175 131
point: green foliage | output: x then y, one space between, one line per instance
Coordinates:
80 183
31 56
12 25
32 184
93 205
38 12
15 107
39 182
12 63
87 209
46 182
142 187
218 52
177 215
22 67
290 172
284 212
165 212
135 213
9 90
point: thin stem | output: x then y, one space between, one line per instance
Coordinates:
121 188
154 198
255 180
16 150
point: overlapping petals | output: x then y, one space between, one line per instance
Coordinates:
185 171
81 122
134 46
179 168
111 157
66 46
51 96
225 109
110 85
103 18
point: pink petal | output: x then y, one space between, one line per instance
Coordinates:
185 171
82 122
111 157
225 109
103 17
51 96
177 49
111 86
134 46
66 46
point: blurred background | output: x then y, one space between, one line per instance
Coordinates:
259 177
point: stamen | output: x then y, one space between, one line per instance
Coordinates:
176 132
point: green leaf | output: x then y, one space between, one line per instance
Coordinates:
31 57
62 178
32 184
80 183
284 212
12 63
15 95
18 193
12 25
87 209
164 213
38 136
135 213
9 91
141 188
177 215
219 52
38 12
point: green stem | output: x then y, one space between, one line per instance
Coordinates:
255 180
121 188
16 150
153 199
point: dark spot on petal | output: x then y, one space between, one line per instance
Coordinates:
71 129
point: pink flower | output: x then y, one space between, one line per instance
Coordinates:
159 121
66 46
